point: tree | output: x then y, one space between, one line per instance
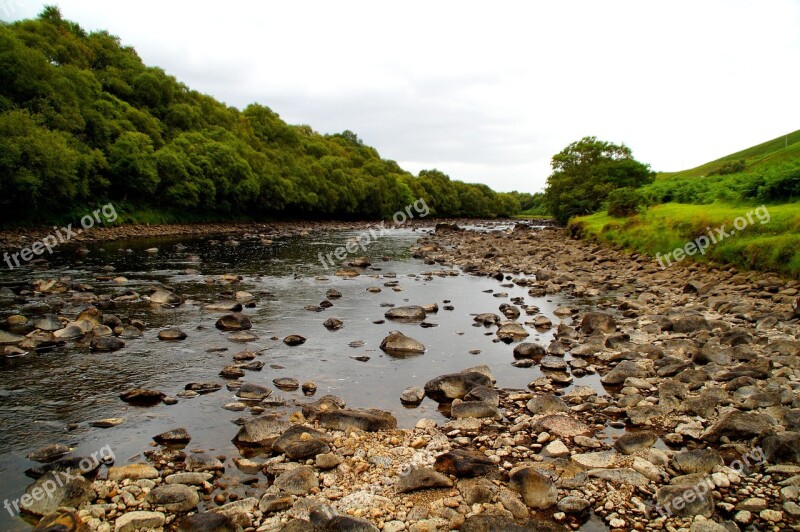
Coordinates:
586 171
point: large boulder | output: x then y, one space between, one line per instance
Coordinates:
397 343
598 322
54 490
260 431
174 497
445 388
537 490
737 425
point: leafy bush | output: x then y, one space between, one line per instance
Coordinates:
624 201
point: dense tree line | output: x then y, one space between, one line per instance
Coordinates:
82 118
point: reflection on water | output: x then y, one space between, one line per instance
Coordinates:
71 386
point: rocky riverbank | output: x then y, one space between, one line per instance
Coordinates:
696 426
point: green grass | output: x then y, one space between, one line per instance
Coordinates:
770 246
766 154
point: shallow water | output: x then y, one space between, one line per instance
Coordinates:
73 385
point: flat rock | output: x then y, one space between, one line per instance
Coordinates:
174 497
139 520
464 464
70 491
422 478
297 481
207 522
175 436
407 313
369 420
632 442
132 472
562 426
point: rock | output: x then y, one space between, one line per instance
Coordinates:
224 306
327 461
408 313
161 296
553 363
397 343
309 388
139 520
174 497
370 420
445 388
53 490
173 437
632 442
298 481
286 383
625 476
562 426
696 461
625 370
254 392
508 331
476 409
107 422
542 404
573 505
596 460
529 350
49 453
412 396
132 472
299 442
172 334
271 504
62 520
484 394
738 425
260 431
537 490
189 479
347 523
202 462
333 324
234 322
106 344
782 448
464 464
684 501
332 293
487 318
598 322
495 523
422 478
294 339
7 338
203 387
556 449
231 372
142 397
208 522
690 324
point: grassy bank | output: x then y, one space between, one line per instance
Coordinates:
770 246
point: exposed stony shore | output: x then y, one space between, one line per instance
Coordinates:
702 366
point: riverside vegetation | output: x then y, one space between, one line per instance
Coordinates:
84 121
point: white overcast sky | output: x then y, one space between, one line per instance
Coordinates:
484 91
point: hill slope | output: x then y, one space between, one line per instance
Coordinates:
83 120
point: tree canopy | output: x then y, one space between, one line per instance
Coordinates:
83 119
586 171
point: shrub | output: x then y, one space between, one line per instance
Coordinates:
624 201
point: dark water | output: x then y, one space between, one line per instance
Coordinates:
73 385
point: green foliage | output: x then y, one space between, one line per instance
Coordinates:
768 243
624 201
585 172
82 119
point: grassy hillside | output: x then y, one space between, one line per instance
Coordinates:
781 149
687 206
